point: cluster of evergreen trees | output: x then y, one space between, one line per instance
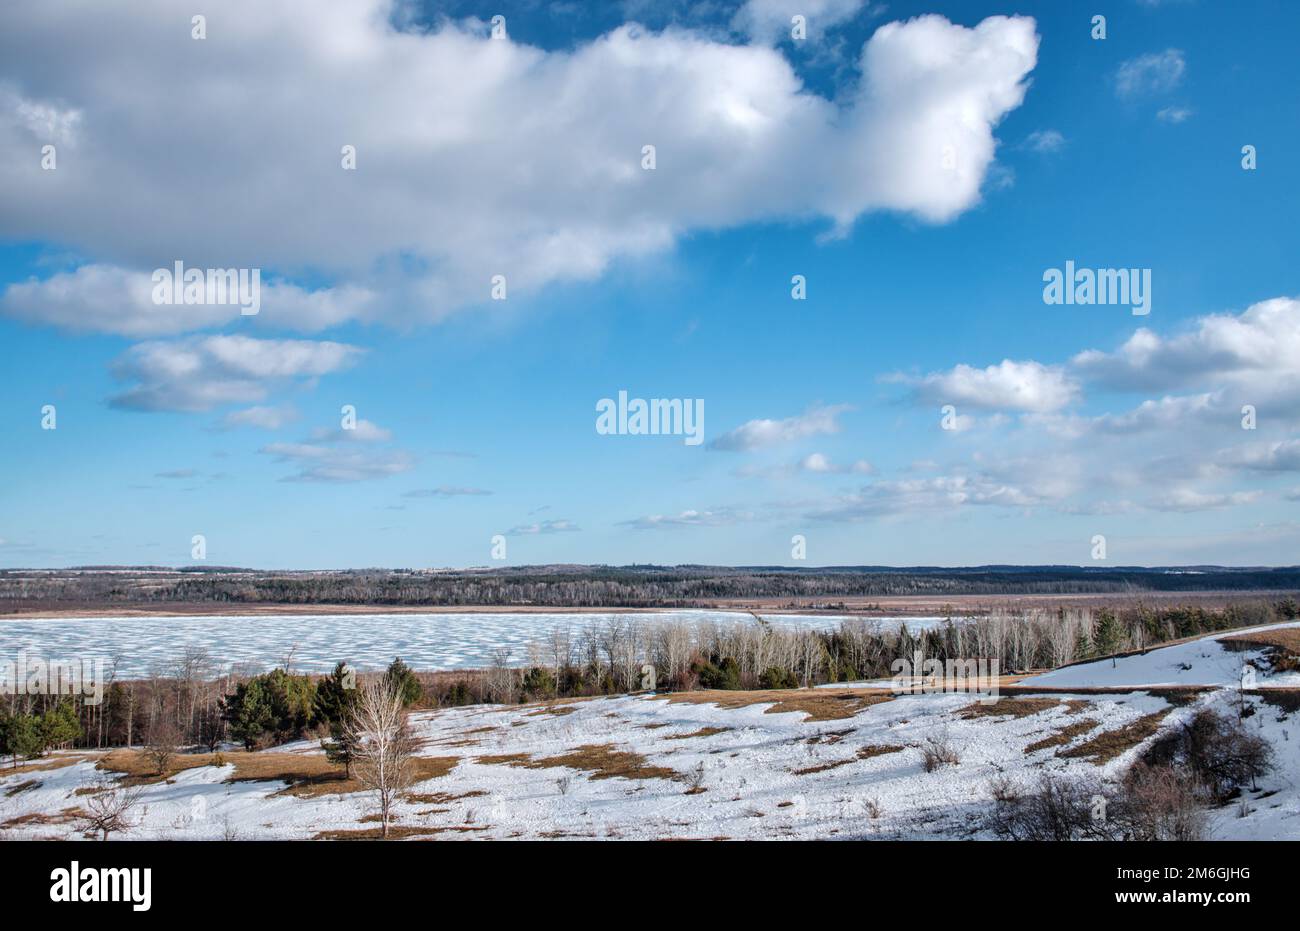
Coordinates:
41 727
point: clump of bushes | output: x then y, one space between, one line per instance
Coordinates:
718 673
774 677
1217 752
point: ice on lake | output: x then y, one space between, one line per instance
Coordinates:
145 645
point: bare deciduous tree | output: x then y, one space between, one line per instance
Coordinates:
383 744
162 743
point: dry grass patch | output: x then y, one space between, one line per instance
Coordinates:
870 750
308 775
44 764
65 816
22 787
442 798
1109 744
395 832
1063 735
601 760
821 768
702 732
1009 708
817 704
1282 646
552 709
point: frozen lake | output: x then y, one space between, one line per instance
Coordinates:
143 645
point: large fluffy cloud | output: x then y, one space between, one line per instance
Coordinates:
475 156
1256 352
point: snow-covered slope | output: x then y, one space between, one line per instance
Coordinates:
1198 662
689 769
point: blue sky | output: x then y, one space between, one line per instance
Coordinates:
478 156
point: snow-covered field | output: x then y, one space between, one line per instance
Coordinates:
318 641
699 770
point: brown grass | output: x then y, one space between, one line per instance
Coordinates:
22 787
1009 708
308 775
395 832
1062 735
1109 744
602 760
552 709
442 798
821 768
702 732
45 764
1282 646
1287 638
817 704
870 750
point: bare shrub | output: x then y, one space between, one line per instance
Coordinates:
1161 803
937 750
1061 808
108 809
695 778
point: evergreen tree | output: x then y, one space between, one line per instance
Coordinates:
1108 635
275 706
1082 646
403 680
336 696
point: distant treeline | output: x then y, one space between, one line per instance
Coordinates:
608 586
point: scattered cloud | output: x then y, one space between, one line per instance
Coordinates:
363 431
444 491
1174 114
1186 499
544 527
200 373
264 418
762 434
1153 73
318 463
1009 385
717 517
768 21
1045 141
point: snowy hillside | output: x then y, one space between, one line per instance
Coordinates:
1217 660
794 764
